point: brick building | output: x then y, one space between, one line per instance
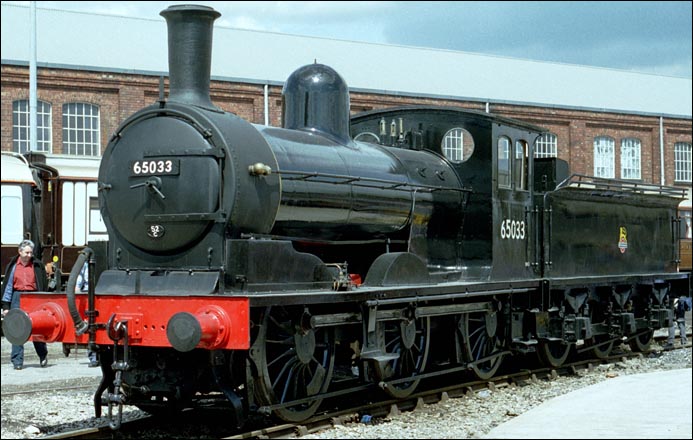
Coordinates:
604 122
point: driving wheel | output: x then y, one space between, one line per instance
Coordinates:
407 341
482 342
294 363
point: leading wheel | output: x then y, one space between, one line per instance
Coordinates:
293 363
409 341
553 353
482 342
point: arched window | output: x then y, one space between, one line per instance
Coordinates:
81 132
630 158
546 146
21 127
604 157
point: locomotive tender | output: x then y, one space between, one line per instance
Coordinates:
262 268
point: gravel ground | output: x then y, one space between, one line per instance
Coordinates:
36 415
473 417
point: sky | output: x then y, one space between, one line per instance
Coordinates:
643 36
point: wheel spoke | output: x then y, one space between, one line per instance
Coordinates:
287 384
286 368
288 352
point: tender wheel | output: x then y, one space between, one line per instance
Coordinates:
598 316
293 363
481 340
601 349
553 353
409 340
641 342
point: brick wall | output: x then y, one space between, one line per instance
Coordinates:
118 95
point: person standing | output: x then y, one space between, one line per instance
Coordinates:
681 306
82 285
24 273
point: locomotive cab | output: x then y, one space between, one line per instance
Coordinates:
494 157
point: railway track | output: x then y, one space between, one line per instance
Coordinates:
390 408
375 411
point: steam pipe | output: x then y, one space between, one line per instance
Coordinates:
80 326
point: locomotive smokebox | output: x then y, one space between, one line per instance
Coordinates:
316 97
190 53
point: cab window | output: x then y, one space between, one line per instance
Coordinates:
520 166
504 163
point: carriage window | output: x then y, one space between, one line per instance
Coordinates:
686 229
12 214
504 176
521 170
458 145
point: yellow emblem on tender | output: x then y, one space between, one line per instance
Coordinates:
622 239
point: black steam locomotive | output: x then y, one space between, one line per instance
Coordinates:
265 267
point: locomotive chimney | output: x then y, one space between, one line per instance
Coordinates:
190 52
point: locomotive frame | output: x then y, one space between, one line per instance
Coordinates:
270 267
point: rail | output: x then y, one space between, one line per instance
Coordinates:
600 183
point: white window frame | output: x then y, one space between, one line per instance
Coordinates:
604 157
453 145
546 146
21 131
630 158
682 162
81 129
504 154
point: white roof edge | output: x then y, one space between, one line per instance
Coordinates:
74 166
14 168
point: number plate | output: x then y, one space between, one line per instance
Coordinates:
155 167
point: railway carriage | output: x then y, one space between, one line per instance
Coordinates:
262 268
20 205
60 213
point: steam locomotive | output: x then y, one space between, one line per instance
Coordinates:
261 268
